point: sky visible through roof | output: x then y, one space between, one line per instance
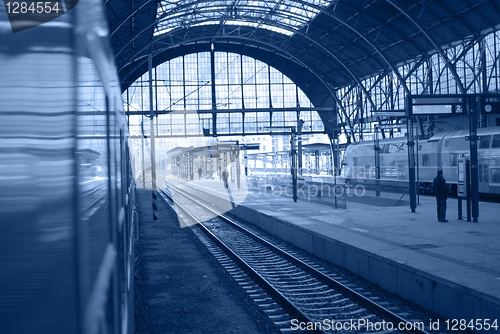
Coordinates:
282 16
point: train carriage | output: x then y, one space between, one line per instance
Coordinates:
66 188
441 151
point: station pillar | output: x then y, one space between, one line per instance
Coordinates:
238 167
293 156
411 165
473 159
376 148
300 123
316 162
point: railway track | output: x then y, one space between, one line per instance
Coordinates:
293 292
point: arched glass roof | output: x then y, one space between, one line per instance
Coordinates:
283 16
338 41
324 46
250 97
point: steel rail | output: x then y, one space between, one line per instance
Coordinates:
383 312
261 281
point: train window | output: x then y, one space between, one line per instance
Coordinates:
495 175
486 172
480 173
355 161
446 143
496 141
459 144
426 160
453 159
396 148
484 141
386 148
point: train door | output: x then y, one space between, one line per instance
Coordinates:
494 185
483 164
402 170
483 171
462 164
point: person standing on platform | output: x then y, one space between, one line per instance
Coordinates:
200 173
441 191
225 177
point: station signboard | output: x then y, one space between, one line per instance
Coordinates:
436 105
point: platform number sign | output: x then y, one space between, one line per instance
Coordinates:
436 105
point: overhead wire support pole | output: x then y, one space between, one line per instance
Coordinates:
335 152
214 95
142 153
294 163
376 149
300 123
417 163
411 164
152 138
472 106
238 167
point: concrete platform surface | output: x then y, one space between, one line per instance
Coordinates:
451 268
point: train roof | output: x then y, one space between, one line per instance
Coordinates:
381 141
450 134
438 136
462 133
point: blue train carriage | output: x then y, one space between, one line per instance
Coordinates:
66 189
429 161
455 146
489 163
358 166
441 151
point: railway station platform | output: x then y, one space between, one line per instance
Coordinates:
451 268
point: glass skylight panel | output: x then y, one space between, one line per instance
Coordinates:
276 29
282 16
